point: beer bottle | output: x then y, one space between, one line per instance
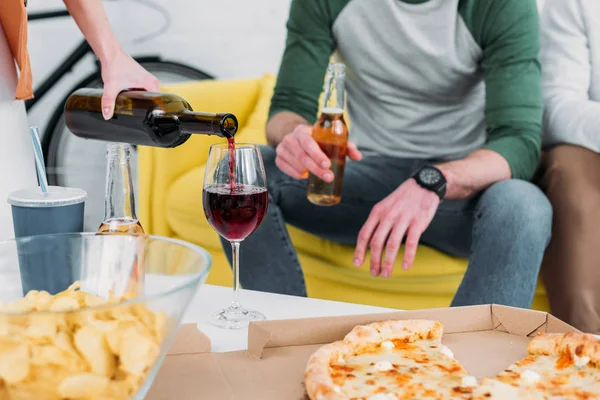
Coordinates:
120 219
331 133
143 118
119 198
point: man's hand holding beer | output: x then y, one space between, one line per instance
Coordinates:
298 153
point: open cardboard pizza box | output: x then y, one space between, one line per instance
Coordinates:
485 340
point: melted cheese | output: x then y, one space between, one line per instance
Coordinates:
382 396
544 372
384 365
388 345
407 370
531 377
580 362
447 352
468 381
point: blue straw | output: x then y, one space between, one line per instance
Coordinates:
39 158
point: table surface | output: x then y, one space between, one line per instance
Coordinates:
211 298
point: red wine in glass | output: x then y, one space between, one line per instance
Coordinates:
235 200
235 212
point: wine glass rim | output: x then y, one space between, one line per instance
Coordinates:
238 146
188 284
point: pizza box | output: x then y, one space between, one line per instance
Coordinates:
485 340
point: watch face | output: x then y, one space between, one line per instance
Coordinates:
429 176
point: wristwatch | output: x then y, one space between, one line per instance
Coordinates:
431 178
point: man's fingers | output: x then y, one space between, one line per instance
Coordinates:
410 248
108 101
289 169
364 237
353 152
285 154
393 246
377 244
311 147
308 161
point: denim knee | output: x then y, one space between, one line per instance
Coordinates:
275 176
517 211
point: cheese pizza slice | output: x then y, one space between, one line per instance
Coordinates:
388 360
560 366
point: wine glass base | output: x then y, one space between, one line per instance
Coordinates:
235 318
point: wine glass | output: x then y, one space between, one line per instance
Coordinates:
235 200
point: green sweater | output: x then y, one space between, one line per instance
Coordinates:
429 79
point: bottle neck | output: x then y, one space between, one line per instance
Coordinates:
334 91
119 199
223 125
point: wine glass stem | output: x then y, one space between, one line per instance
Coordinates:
235 258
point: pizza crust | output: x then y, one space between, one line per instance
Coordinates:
317 377
572 344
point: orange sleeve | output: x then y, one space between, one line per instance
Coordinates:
13 17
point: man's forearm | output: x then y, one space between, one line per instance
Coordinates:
93 23
472 174
281 124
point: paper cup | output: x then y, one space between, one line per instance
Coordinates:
61 210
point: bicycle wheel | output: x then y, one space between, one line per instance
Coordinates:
81 163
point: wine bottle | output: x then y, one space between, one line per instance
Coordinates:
143 118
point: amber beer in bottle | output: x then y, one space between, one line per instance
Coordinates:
143 118
331 133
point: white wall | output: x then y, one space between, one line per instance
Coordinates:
226 38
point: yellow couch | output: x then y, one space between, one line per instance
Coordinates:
170 199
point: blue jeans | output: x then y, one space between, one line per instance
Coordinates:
503 231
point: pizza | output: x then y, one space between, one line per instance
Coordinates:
406 360
388 360
560 366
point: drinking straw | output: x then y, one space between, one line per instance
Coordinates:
39 158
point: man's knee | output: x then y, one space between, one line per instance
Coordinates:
517 209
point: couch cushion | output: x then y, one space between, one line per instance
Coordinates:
254 129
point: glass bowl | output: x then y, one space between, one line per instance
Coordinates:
107 336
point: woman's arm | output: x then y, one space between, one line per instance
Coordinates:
119 70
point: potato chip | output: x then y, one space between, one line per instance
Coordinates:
43 301
83 386
67 353
117 390
34 390
64 304
137 352
43 326
90 342
114 336
49 376
65 343
14 361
